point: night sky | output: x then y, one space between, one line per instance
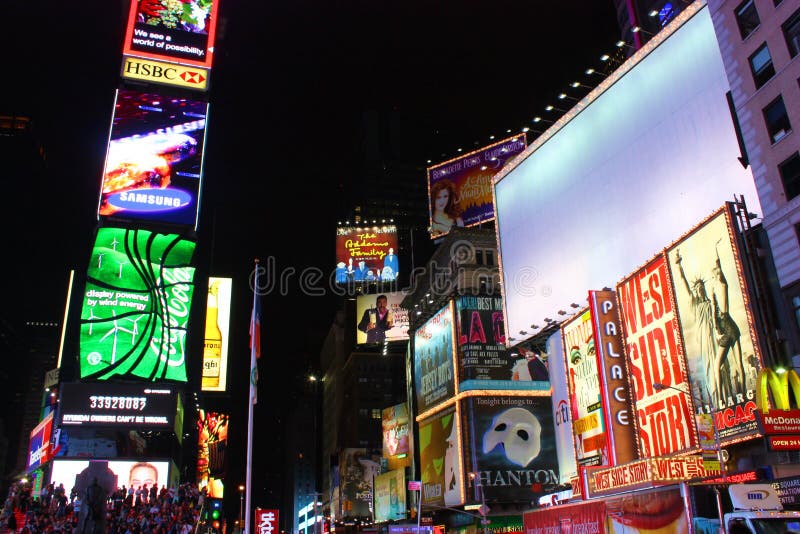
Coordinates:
289 88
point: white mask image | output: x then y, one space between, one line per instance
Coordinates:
519 432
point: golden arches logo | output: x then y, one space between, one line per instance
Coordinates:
778 384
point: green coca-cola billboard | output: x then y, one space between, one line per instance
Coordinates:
136 306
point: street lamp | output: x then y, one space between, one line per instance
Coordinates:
720 457
483 510
241 504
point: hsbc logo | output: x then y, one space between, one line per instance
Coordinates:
165 73
192 77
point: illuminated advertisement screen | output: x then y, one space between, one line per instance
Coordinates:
367 254
212 430
483 361
562 413
433 360
553 251
154 161
181 32
715 319
460 190
645 512
654 355
111 474
579 517
148 70
390 496
216 339
39 450
588 423
391 327
613 376
136 306
510 435
358 468
394 426
94 404
440 458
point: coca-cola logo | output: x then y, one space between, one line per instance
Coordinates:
173 296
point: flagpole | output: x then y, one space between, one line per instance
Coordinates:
250 402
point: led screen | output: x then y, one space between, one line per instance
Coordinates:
212 431
366 254
562 416
460 190
512 445
588 423
440 459
713 312
154 161
433 360
483 361
118 405
358 468
216 338
390 496
634 181
39 450
111 474
182 32
654 354
393 327
394 426
136 306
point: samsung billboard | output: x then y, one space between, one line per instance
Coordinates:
154 160
643 157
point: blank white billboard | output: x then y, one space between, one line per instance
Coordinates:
641 164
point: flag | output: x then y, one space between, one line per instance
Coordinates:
255 327
255 340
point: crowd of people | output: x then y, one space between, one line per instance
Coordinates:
143 510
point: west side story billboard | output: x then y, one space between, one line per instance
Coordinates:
180 32
719 342
136 306
154 161
654 354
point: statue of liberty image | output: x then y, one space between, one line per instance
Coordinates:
718 335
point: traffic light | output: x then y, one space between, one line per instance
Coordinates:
215 509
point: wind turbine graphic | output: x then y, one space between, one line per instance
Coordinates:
114 331
120 268
135 328
92 316
114 244
100 259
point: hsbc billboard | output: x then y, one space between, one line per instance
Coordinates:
160 72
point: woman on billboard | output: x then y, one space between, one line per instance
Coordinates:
445 211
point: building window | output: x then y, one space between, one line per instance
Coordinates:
362 412
489 257
777 120
747 18
376 413
790 176
761 65
479 257
791 32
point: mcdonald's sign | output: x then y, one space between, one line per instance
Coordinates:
775 413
